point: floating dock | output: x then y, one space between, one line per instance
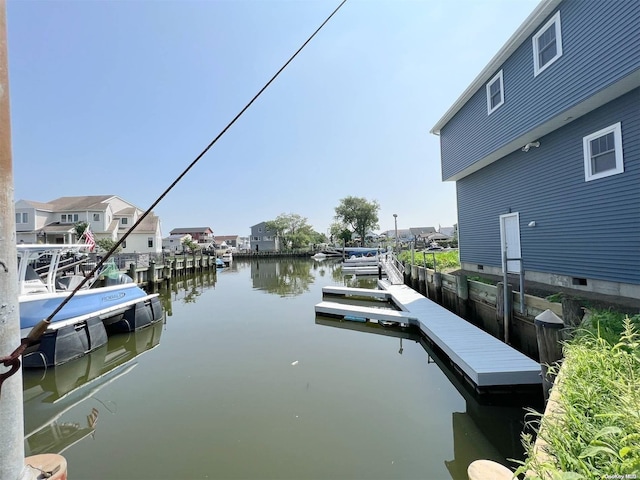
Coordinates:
483 359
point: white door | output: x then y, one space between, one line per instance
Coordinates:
510 240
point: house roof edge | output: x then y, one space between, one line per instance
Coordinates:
530 24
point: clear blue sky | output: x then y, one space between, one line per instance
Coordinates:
118 97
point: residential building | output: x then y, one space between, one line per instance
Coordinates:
108 216
263 240
200 235
229 240
175 243
420 235
544 147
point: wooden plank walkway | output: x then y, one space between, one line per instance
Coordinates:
484 359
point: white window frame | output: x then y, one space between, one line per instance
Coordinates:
554 22
124 221
616 129
22 217
96 217
497 78
69 218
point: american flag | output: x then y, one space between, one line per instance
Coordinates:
89 240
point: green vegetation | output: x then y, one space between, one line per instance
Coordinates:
486 281
555 298
294 231
445 261
358 214
595 433
107 244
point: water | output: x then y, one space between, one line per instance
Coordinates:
243 382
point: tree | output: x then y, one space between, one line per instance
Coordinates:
107 244
292 229
358 214
80 228
189 245
339 231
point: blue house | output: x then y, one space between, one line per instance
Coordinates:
544 147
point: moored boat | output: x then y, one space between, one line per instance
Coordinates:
108 302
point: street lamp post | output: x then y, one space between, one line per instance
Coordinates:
395 220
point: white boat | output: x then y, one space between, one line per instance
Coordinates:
227 258
327 253
110 301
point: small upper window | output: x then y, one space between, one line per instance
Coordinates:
495 93
22 217
96 217
603 153
547 45
124 221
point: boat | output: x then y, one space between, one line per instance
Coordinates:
227 258
220 263
109 302
326 253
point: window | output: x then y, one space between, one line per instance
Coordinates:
603 153
124 221
68 218
495 93
547 45
96 217
124 244
150 242
22 217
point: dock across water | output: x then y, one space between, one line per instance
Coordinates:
483 359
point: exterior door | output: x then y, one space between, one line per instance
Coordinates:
510 240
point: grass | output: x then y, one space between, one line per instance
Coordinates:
446 261
596 432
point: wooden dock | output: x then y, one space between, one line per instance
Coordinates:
483 359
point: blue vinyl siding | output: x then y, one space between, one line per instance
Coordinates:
601 45
583 229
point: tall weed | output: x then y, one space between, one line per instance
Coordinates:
596 431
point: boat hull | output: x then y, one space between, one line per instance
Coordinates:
66 343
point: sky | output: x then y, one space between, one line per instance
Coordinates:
118 97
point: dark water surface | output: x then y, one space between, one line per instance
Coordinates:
243 382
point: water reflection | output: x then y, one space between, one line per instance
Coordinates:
285 278
56 414
489 427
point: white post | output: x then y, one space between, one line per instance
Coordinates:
11 410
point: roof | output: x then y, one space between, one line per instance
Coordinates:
223 238
38 205
88 202
422 230
58 227
126 211
192 230
521 35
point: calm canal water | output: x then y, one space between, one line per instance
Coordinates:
241 381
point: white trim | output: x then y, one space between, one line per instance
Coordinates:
521 35
555 22
616 129
497 78
513 266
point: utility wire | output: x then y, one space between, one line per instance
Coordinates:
40 328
